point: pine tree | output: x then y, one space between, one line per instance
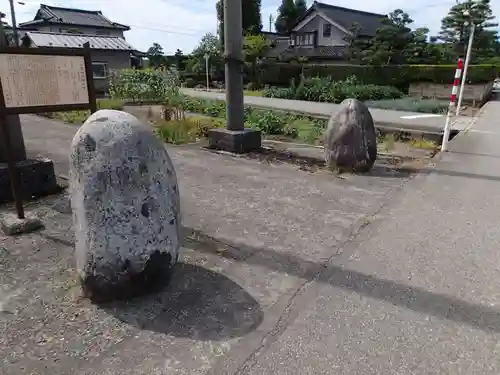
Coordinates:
393 41
251 17
301 7
287 16
455 31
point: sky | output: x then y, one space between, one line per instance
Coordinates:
175 25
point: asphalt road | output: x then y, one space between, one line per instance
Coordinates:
409 121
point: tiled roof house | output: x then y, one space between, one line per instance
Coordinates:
66 27
320 33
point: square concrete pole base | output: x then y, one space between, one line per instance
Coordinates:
236 141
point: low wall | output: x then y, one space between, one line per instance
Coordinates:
478 93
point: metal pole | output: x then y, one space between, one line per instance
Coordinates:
233 44
11 166
14 25
447 130
467 61
453 102
207 57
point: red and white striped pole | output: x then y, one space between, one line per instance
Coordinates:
453 103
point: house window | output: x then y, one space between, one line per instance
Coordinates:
306 39
100 70
327 30
70 31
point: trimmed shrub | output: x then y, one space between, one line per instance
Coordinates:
400 76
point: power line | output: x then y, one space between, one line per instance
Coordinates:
165 31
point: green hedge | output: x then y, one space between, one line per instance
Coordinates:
280 74
400 76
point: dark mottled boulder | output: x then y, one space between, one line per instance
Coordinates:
350 138
125 203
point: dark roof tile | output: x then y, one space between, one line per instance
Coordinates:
345 17
68 16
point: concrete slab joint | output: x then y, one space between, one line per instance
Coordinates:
125 202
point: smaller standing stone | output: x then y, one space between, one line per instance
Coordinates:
11 225
350 138
125 202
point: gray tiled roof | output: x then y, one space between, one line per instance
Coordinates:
273 36
44 39
68 16
279 46
346 17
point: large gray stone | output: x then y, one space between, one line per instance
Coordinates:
350 138
125 202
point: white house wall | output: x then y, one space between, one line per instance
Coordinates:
315 21
335 39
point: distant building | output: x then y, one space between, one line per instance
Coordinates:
65 27
319 35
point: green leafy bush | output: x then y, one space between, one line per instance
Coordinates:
278 92
270 122
325 89
142 84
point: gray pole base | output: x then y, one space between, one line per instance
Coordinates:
236 141
36 177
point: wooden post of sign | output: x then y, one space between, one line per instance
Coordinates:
87 58
11 164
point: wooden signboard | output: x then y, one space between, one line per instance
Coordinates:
34 80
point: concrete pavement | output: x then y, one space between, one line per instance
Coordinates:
384 119
218 311
283 272
418 291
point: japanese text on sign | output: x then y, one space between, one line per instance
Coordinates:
39 80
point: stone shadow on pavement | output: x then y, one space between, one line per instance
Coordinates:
417 299
198 303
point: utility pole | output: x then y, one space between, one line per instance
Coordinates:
233 44
13 121
271 23
207 58
235 138
14 24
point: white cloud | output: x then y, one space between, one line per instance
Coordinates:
181 23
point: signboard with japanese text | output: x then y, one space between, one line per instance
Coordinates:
38 80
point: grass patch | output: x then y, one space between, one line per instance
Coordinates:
253 93
79 117
411 105
424 144
387 142
188 130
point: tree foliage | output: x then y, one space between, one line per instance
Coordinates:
395 42
455 28
208 45
156 56
251 17
288 13
255 47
